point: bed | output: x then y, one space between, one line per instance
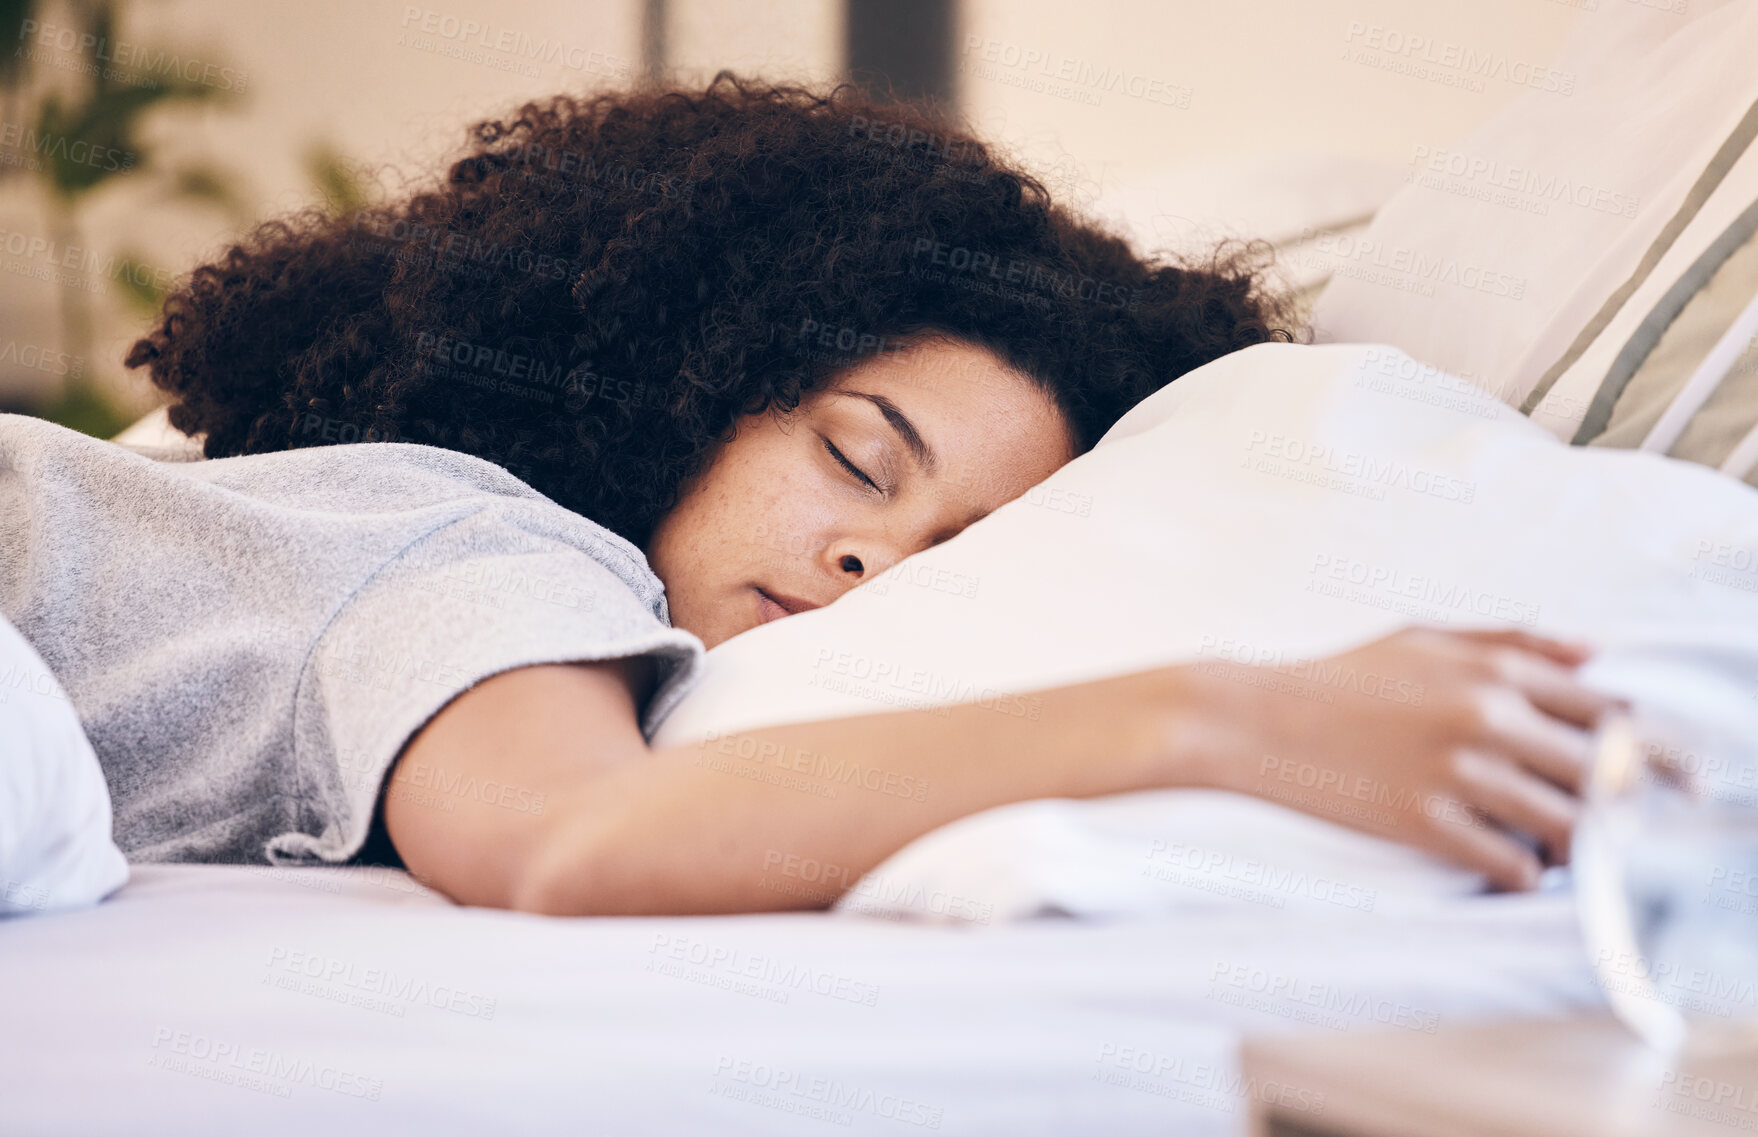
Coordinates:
230 999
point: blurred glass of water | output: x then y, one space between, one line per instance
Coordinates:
1666 876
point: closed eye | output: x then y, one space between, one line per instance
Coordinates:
850 466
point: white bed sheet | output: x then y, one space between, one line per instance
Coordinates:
1001 1030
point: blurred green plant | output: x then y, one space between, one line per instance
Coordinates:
13 14
338 184
104 112
337 179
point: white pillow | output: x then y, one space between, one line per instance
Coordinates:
1510 240
1278 505
153 434
55 846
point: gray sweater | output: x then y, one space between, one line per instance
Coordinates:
250 641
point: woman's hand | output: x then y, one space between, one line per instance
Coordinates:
1451 741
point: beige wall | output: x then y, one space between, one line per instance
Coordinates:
1228 77
776 39
1192 80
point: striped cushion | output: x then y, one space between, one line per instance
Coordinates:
1730 412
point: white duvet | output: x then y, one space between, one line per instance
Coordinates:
55 846
1281 504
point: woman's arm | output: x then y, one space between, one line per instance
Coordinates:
1497 731
628 829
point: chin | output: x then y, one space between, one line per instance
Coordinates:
722 623
717 632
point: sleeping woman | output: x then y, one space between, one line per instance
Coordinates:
488 467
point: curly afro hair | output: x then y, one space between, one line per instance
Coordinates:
601 286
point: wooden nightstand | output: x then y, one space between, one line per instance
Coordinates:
1570 1078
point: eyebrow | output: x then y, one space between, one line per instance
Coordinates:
906 430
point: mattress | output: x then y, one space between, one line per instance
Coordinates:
211 999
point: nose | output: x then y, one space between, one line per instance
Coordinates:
857 559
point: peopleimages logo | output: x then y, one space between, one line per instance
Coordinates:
820 1098
1353 470
1467 62
869 673
254 1067
1322 672
1203 868
1159 1072
1494 174
554 167
384 986
456 250
823 767
961 260
1408 263
48 144
512 43
1336 575
781 976
127 57
1085 79
484 359
81 260
41 358
1324 1004
901 137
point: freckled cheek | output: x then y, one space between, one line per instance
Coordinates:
785 506
792 522
736 514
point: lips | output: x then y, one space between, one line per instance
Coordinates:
774 605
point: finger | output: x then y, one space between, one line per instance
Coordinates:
1555 750
1558 695
1507 863
1519 801
1570 653
1555 691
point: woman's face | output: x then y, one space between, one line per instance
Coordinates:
900 453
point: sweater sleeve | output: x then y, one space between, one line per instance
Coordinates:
476 597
